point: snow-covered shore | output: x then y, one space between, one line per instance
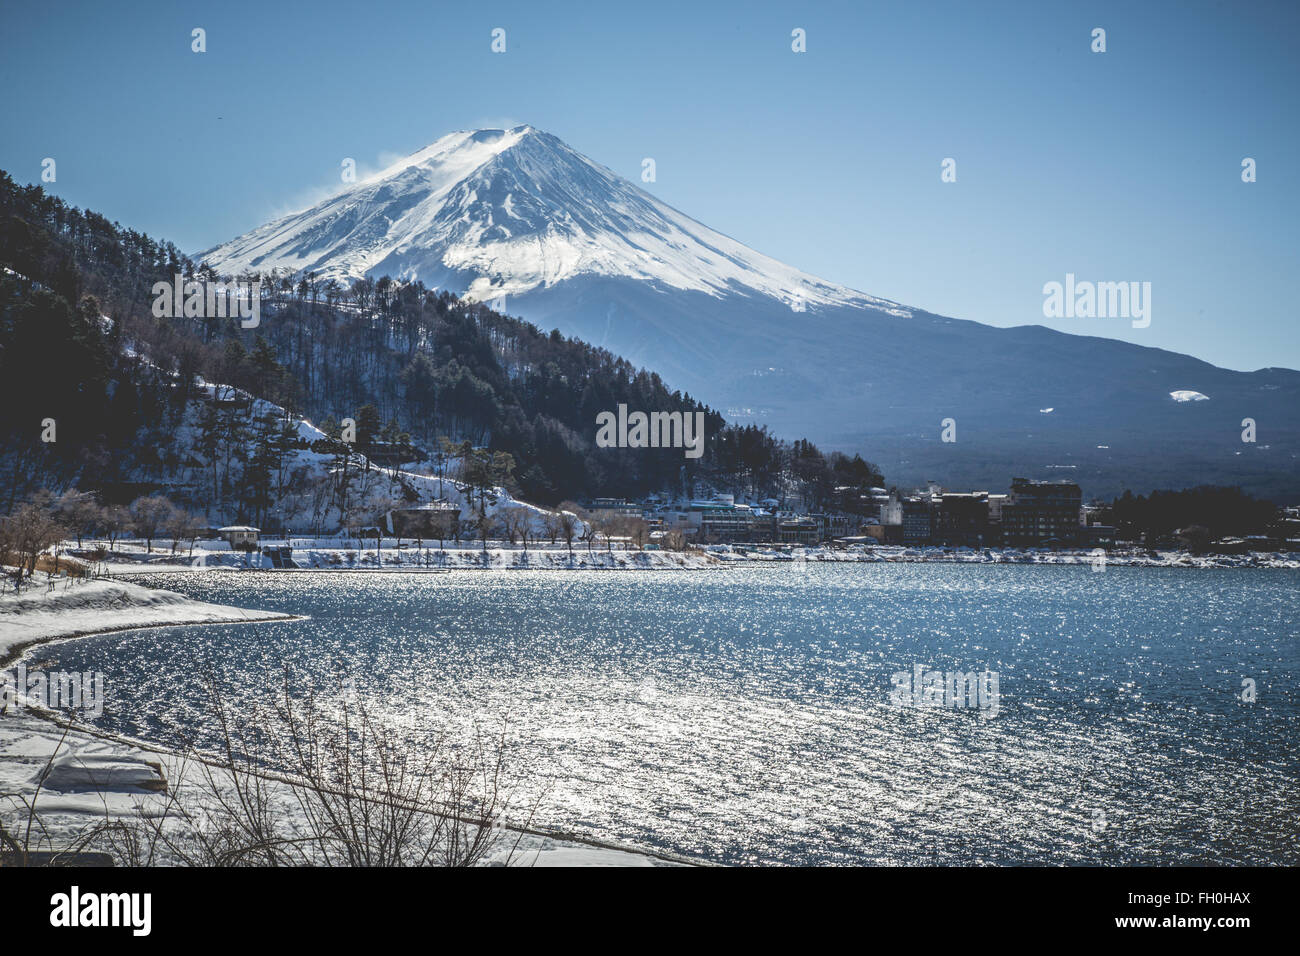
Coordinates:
503 559
333 555
66 607
1132 557
93 777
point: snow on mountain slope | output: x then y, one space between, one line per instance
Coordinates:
506 212
573 246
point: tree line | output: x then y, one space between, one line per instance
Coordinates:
1196 515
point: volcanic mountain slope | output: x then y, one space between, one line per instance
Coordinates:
569 244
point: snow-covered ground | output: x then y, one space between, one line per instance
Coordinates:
57 607
80 778
92 779
372 489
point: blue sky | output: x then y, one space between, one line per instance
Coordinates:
1118 166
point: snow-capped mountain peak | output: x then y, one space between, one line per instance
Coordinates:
575 247
496 212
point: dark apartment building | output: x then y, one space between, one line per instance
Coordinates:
963 519
918 521
1041 512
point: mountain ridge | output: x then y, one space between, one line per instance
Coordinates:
569 244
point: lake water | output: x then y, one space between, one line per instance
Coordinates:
745 715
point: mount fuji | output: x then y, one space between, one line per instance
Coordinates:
519 219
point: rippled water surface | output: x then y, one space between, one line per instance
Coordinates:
744 715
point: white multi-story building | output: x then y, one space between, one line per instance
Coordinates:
891 511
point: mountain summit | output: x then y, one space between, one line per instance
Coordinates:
568 243
506 212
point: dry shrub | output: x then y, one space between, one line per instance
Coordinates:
305 782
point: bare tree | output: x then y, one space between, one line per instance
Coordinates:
26 534
570 524
551 526
312 781
589 532
115 521
149 515
180 525
78 511
639 531
518 523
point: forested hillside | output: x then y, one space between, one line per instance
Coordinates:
79 345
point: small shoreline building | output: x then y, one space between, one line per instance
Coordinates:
241 537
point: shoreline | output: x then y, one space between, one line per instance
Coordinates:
75 730
130 557
130 560
936 554
552 845
16 652
82 608
713 557
17 729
